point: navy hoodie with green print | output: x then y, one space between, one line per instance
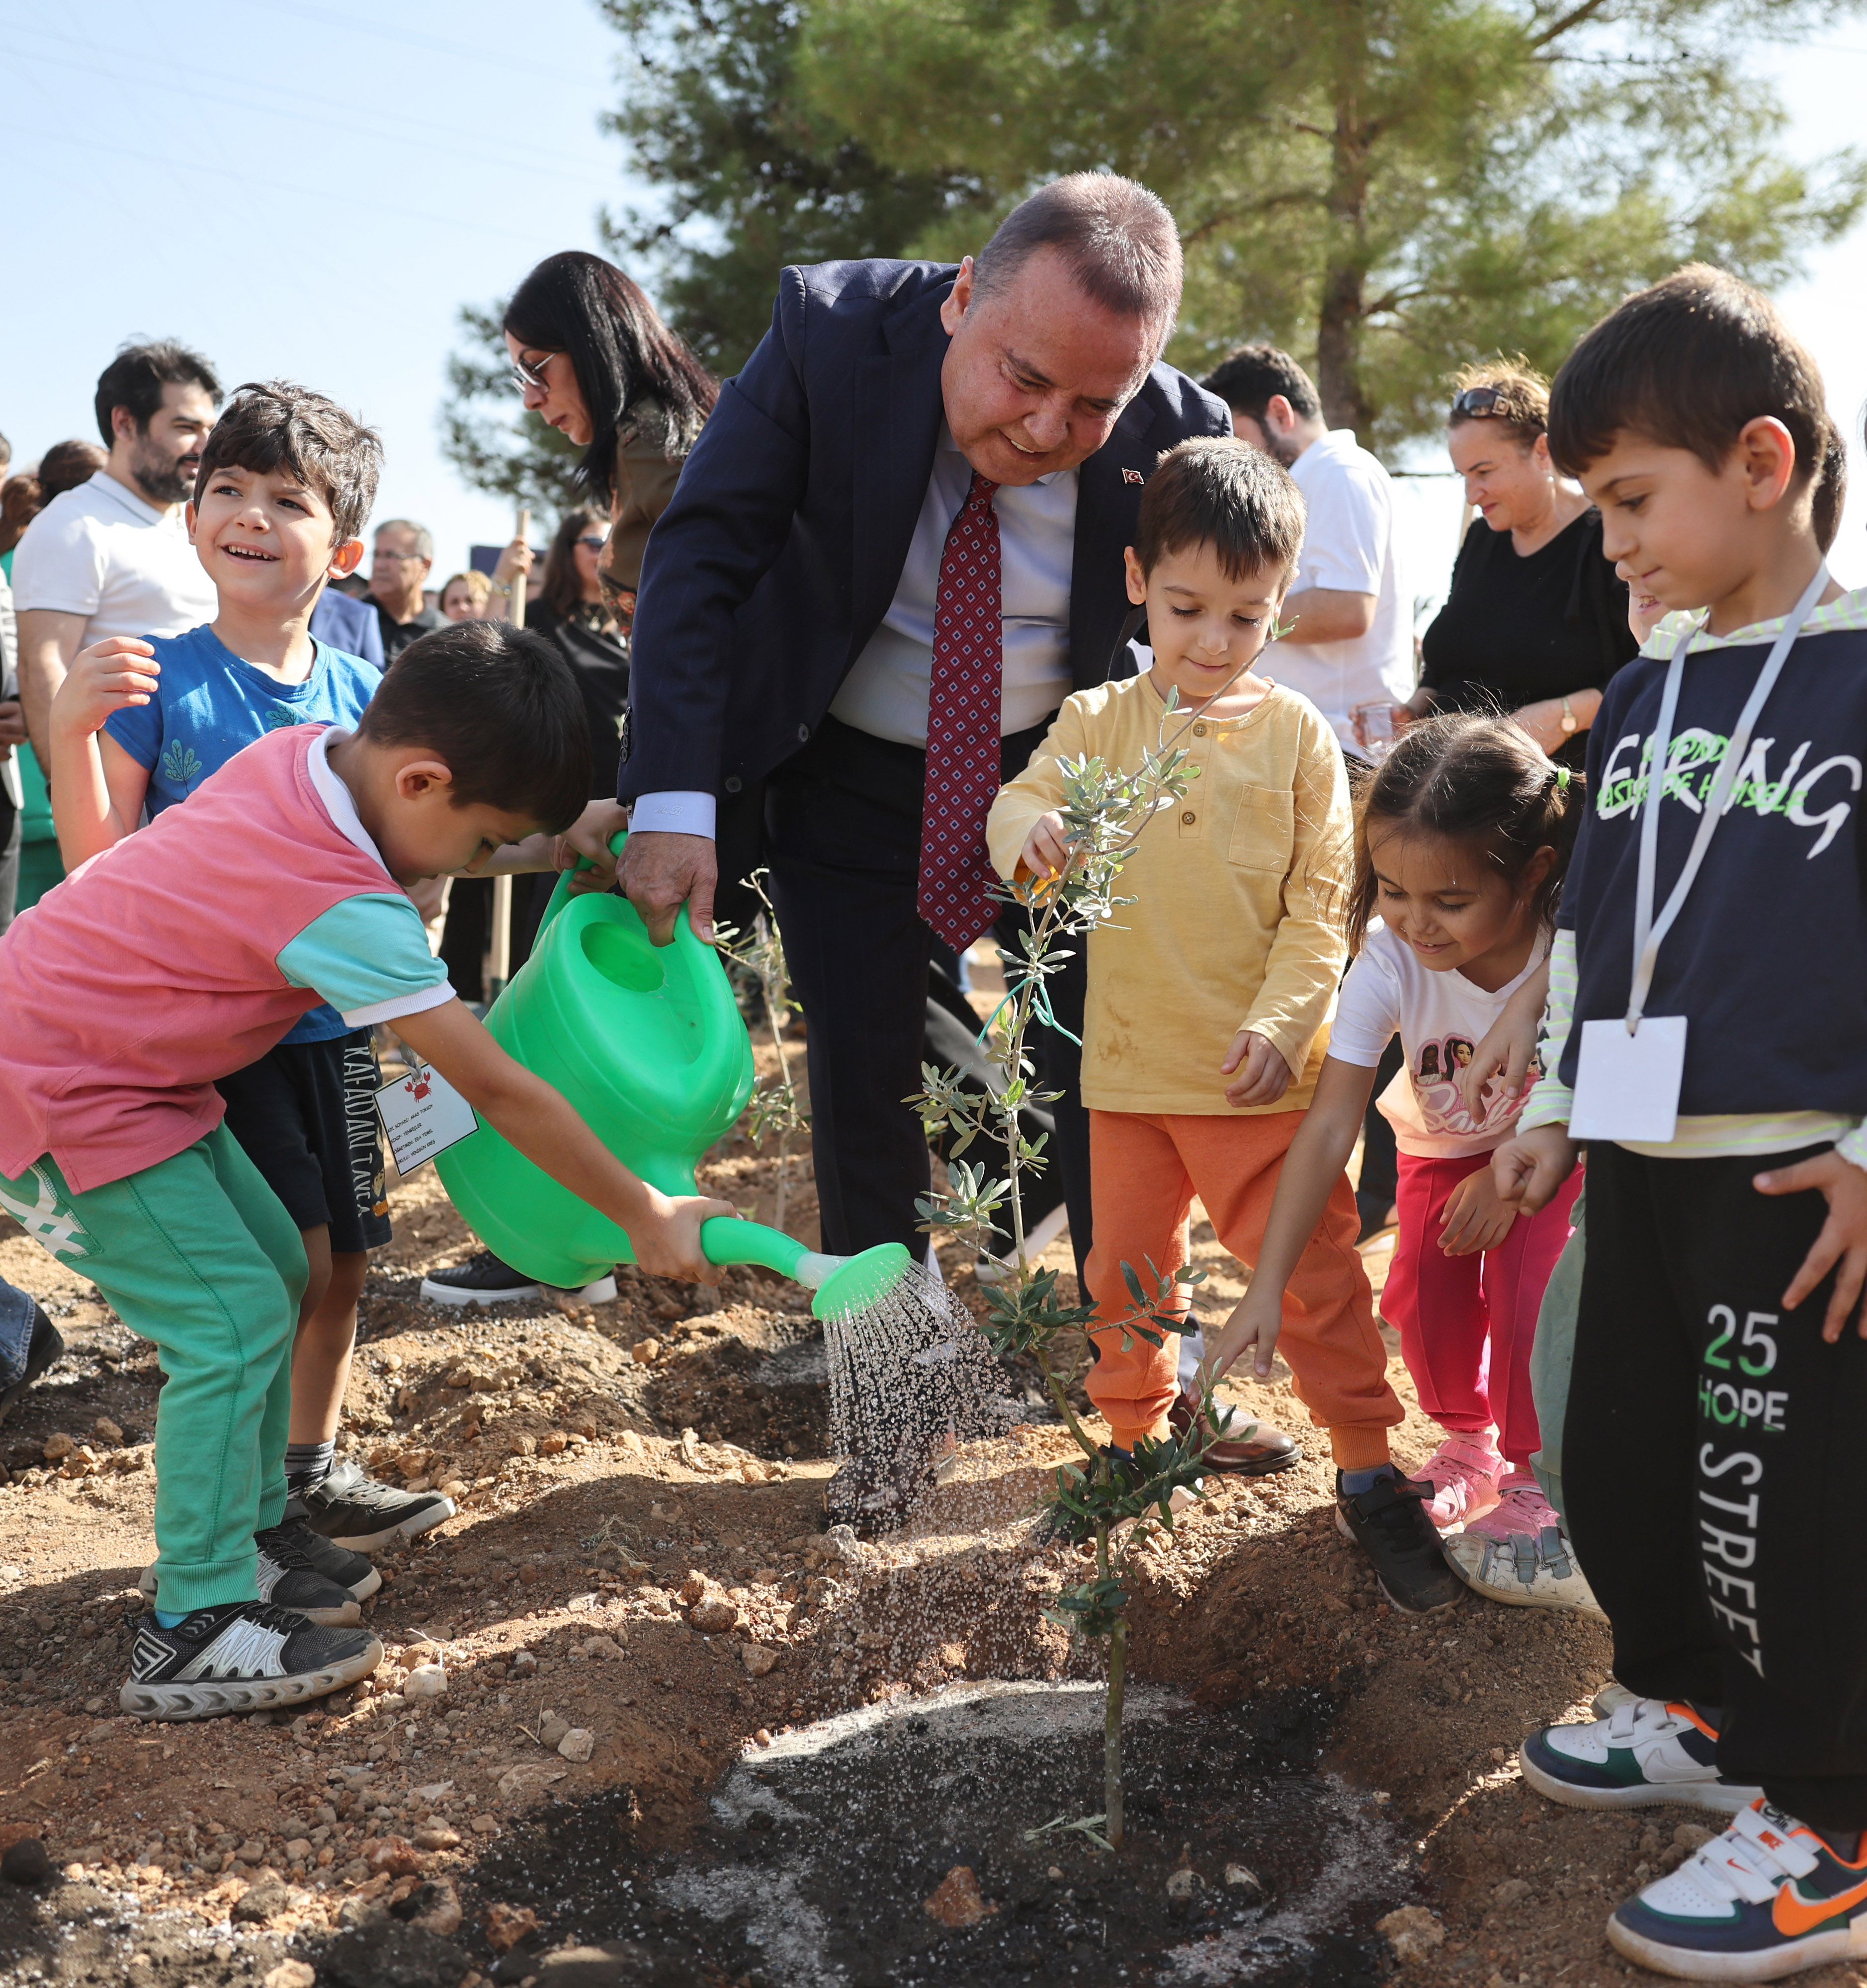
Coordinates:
1768 959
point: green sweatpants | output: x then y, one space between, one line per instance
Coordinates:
198 1255
1552 1354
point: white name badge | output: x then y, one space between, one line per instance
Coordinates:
1627 1087
423 1115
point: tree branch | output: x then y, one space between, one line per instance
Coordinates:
1585 10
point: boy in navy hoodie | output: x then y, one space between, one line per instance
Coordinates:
1706 1033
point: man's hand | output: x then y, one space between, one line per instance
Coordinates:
1527 1170
1265 1077
589 835
1475 1219
1047 848
1843 1239
660 871
108 677
12 726
667 1239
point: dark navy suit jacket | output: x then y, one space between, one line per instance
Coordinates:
783 544
348 625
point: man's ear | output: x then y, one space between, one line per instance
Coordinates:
1280 416
344 559
1137 580
1767 458
415 779
958 299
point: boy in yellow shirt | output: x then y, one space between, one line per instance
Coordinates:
1209 995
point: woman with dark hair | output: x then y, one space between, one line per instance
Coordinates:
593 359
568 605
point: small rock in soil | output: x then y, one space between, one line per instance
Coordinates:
26 1862
578 1744
759 1661
395 1855
957 1902
552 1729
713 1615
1241 1876
505 1926
290 1974
426 1681
1411 1932
1182 1884
393 1955
260 1902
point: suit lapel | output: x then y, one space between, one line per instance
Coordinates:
1108 489
898 409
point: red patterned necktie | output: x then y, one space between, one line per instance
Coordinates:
963 707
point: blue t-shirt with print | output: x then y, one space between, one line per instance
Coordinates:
210 705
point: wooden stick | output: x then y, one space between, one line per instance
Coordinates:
518 578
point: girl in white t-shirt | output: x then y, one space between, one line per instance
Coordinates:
1461 841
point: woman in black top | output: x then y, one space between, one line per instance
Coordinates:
568 606
1536 621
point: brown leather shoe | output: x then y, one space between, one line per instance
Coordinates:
1263 1451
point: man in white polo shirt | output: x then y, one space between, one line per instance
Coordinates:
111 557
1353 640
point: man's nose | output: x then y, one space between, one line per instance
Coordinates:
1048 426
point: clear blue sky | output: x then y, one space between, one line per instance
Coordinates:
310 189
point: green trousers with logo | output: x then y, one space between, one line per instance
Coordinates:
198 1255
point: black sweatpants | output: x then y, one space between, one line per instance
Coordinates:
1712 1460
843 826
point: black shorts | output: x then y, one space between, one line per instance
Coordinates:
305 1114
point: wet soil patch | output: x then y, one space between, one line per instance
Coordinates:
824 1849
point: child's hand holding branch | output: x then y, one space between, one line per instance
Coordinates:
1047 849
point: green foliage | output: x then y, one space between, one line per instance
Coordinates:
1386 187
751 173
496 446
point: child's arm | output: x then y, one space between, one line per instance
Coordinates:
540 1122
97 789
1303 966
1509 1046
1311 1168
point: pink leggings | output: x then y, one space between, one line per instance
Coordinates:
1466 1323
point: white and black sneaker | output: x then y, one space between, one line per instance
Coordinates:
354 1510
484 1280
350 1571
242 1656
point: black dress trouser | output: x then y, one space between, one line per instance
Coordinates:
1712 1458
843 823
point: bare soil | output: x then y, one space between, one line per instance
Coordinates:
614 1468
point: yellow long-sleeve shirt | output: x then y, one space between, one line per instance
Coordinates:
1240 890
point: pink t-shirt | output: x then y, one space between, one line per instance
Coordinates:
186 952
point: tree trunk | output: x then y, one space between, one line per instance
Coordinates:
1338 329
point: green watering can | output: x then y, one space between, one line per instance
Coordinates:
647 1043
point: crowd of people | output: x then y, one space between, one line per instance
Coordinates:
854 615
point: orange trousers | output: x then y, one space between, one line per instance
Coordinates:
1145 1171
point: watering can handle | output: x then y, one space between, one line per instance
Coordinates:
561 896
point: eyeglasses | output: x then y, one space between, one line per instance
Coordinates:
596 540
1478 401
379 557
526 378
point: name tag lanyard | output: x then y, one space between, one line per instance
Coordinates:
1628 1088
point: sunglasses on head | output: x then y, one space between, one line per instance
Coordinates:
1478 401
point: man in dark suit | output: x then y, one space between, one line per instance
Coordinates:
905 518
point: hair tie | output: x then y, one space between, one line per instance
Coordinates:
1562 780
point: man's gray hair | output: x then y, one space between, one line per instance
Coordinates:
425 538
1117 240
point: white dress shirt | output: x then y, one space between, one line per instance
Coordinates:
1348 545
886 692
101 551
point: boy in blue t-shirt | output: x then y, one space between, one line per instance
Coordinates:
285 483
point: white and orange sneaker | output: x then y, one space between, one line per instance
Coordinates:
1465 1473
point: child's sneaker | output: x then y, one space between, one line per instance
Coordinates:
350 1571
1767 1899
485 1279
242 1656
1517 1553
1388 1523
1643 1752
1464 1472
44 1344
357 1511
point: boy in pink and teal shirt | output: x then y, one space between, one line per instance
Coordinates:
185 951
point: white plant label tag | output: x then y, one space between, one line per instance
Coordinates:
1627 1087
423 1115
